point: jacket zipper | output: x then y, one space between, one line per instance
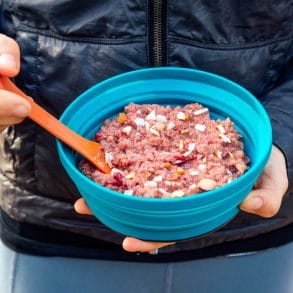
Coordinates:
157 37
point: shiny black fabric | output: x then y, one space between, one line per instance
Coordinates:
69 45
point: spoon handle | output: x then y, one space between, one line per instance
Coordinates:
41 116
89 149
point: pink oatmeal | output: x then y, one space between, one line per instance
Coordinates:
164 152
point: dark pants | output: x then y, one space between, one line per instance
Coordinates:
270 271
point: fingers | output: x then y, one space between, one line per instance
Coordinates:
81 207
129 244
9 56
266 200
13 109
135 245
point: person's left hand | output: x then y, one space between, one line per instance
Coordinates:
265 200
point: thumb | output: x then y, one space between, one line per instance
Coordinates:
262 202
266 199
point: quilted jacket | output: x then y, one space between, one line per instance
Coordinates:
69 45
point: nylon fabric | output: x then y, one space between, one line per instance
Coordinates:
68 46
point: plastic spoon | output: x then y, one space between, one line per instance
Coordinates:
88 149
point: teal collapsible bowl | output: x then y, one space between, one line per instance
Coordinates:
176 218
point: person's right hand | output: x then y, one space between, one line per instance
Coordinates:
13 108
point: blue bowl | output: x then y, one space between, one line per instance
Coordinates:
177 218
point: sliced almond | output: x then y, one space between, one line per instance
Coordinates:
221 128
200 127
181 116
139 121
200 111
151 116
225 138
241 167
128 192
177 193
170 125
127 129
207 184
161 118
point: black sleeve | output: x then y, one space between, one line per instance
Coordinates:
279 105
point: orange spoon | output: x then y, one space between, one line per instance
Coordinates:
88 149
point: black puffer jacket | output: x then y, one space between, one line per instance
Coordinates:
69 45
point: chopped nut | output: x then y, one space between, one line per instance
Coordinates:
184 131
200 111
180 171
181 144
163 191
218 154
231 155
161 118
115 170
160 126
154 131
130 175
127 130
191 146
139 121
229 172
193 186
200 127
187 153
122 117
221 128
158 178
202 166
151 116
225 138
128 192
177 193
151 184
172 177
109 158
241 167
194 172
147 175
170 125
181 116
167 165
207 184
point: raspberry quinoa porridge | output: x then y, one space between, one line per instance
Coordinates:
165 152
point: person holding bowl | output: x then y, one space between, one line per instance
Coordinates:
55 51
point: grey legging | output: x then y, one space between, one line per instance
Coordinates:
270 271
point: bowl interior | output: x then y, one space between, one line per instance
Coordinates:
170 86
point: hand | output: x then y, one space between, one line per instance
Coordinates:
129 244
265 200
13 108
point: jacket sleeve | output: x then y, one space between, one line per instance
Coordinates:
279 105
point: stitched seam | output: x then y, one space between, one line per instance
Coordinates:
93 40
229 46
169 278
13 272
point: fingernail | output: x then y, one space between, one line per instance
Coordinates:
20 111
254 203
7 60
